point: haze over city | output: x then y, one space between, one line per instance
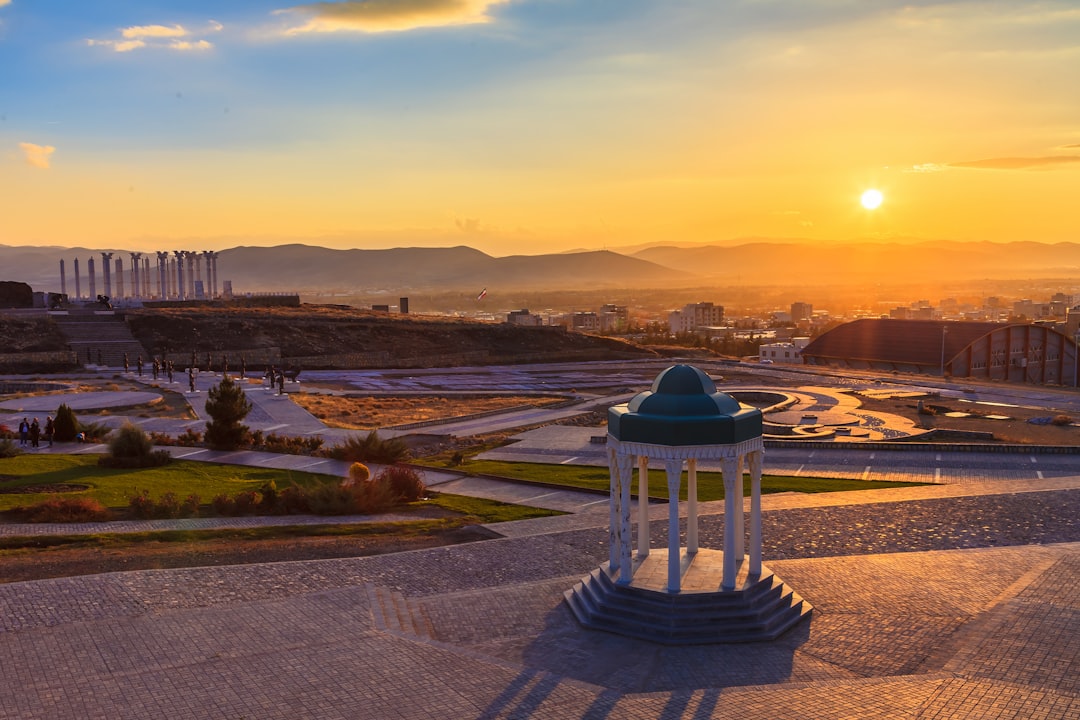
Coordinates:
533 126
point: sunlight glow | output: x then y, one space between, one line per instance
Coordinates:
871 199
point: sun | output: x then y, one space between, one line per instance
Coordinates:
871 199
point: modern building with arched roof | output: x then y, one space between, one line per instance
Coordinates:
1021 353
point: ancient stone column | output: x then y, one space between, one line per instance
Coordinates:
106 273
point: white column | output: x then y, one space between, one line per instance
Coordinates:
730 469
613 511
691 506
740 514
626 479
755 512
643 536
674 564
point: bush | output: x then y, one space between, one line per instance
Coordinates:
1061 420
269 493
8 448
246 502
358 473
223 505
296 445
130 441
371 449
143 507
293 500
131 447
189 438
64 510
404 483
157 458
65 426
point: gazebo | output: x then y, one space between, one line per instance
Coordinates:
700 595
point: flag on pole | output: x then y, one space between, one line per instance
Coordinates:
482 295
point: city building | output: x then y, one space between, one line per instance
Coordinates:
696 316
783 352
1022 353
524 317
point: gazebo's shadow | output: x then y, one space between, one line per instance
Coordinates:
628 665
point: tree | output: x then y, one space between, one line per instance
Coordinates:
65 426
227 406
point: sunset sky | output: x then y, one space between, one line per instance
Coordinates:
531 126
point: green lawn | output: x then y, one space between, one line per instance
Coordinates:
710 484
114 488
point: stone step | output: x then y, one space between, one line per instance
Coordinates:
762 609
395 613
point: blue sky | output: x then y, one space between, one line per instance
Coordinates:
524 126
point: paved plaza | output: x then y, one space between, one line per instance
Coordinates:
955 599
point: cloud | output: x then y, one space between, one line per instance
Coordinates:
169 37
927 168
1018 163
37 155
153 31
4 2
376 16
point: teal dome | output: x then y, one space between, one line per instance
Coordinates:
683 408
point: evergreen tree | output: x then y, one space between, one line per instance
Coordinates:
227 406
65 426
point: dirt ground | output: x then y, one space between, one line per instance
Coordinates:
368 413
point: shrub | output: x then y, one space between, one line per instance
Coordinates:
371 449
157 458
93 430
295 445
404 483
168 506
8 448
293 500
246 502
1061 420
6 433
269 493
223 505
190 507
160 438
130 441
62 510
189 438
358 473
65 426
227 406
131 447
141 506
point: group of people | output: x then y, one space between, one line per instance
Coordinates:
30 432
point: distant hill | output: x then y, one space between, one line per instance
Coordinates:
309 268
302 267
306 268
766 263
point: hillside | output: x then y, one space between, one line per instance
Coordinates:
328 336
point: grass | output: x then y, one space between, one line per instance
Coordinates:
113 488
710 484
470 511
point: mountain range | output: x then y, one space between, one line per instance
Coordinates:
306 268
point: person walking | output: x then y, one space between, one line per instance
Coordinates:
138 364
50 429
191 378
24 432
243 368
126 366
170 367
35 433
281 383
